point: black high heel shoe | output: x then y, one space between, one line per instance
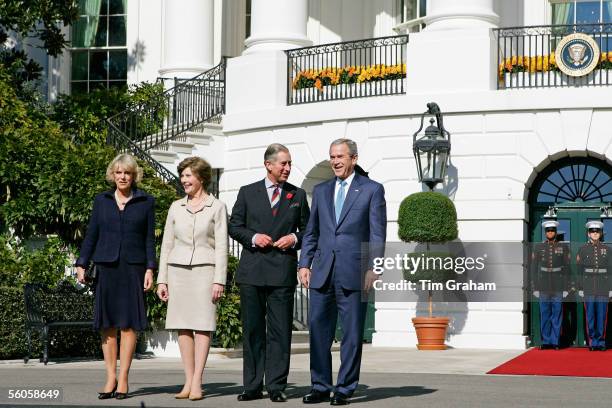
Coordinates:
108 395
122 395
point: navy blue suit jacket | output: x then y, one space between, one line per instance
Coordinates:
108 233
362 225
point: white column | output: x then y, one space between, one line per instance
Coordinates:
457 50
188 35
452 14
277 25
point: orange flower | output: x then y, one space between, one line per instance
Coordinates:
319 85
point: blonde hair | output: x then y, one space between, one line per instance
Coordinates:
200 168
128 162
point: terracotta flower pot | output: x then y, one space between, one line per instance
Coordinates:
431 332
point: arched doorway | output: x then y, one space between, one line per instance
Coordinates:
574 190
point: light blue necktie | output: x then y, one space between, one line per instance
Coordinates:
340 200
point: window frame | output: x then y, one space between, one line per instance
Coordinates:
108 82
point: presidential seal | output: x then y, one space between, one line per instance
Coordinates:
577 54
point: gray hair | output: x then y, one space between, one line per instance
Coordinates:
128 162
273 150
352 146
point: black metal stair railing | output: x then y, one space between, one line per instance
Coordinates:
179 109
191 102
123 144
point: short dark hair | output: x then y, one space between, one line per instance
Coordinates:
200 168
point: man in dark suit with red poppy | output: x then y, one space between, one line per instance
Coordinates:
268 219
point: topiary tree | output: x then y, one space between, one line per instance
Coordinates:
428 217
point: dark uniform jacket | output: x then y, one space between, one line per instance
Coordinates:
550 269
595 266
252 214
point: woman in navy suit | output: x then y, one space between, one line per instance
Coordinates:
120 241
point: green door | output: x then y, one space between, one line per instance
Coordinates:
572 220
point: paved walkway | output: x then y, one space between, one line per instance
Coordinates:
393 377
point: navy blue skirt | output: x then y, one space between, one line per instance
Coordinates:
120 296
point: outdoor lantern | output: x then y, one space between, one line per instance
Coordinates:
432 148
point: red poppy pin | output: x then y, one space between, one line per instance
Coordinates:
289 196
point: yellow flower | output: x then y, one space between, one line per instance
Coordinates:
319 85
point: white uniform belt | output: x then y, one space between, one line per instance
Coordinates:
591 270
550 269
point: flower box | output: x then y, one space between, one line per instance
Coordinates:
345 91
555 78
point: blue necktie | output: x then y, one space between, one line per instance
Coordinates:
340 200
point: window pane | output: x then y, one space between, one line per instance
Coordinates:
98 65
101 33
422 8
117 84
79 32
78 87
91 7
411 10
83 31
97 85
79 65
607 11
103 7
118 64
117 7
116 31
563 13
587 12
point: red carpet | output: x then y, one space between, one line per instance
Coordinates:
575 362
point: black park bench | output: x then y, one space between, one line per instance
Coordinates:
43 314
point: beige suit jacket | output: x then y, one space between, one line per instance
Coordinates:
195 238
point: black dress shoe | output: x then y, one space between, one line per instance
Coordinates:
601 348
277 396
108 395
339 399
555 347
545 347
591 348
250 396
315 397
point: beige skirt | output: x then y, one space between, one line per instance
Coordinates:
190 303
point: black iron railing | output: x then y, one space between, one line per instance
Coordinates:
526 57
353 69
189 103
116 138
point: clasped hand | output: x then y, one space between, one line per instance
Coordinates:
264 240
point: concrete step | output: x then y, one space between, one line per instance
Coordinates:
164 156
180 147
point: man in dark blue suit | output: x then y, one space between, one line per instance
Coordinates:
345 232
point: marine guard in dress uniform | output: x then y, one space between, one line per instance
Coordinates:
595 263
550 262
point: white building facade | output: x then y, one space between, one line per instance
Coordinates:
515 131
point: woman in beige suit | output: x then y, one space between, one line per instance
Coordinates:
192 269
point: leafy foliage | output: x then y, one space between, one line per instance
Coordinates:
229 325
427 217
20 265
38 19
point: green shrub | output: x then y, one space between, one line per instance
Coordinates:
63 343
427 217
229 325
